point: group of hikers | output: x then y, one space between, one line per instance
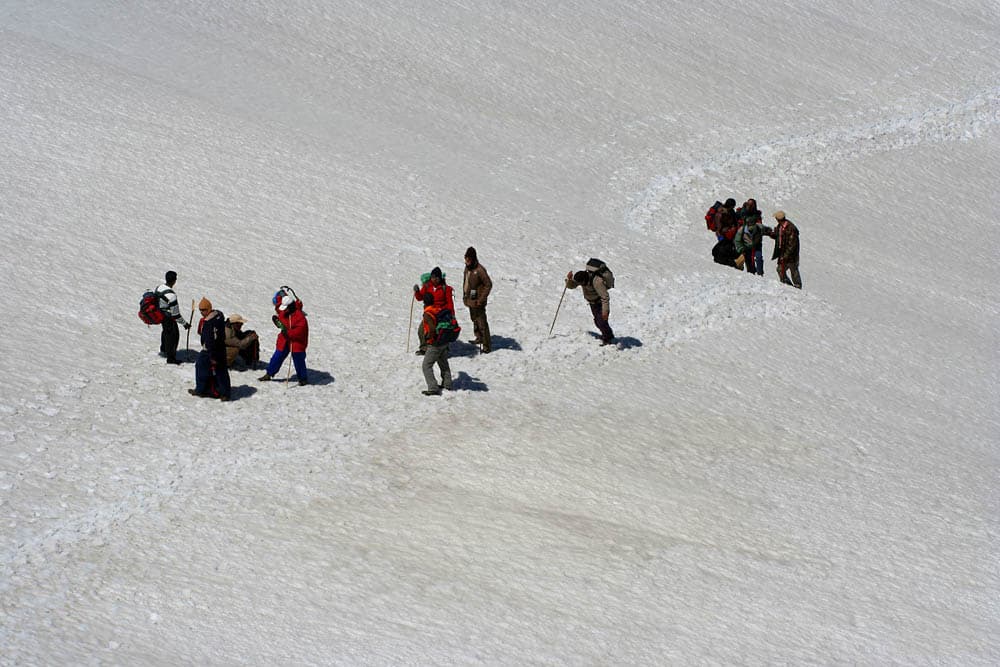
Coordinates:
740 236
224 342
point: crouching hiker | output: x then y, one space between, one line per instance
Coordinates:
242 346
440 329
293 335
211 374
595 282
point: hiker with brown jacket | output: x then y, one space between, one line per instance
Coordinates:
786 249
476 287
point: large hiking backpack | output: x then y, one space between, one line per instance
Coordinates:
447 329
149 308
713 210
599 268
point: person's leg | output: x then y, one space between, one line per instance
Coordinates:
222 385
758 261
169 339
445 368
793 267
607 335
202 373
484 331
430 358
299 359
422 338
277 359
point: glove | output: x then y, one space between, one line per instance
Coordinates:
416 288
187 325
278 323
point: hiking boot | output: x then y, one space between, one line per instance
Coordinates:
265 378
173 361
431 392
223 398
195 392
421 353
303 383
486 350
610 341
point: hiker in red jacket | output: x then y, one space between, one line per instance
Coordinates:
443 296
293 335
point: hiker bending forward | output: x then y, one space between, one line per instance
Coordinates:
597 295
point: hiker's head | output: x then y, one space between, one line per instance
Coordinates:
581 277
278 296
237 321
436 275
205 306
170 277
470 256
779 215
730 203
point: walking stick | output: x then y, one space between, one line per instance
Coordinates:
187 343
557 311
409 326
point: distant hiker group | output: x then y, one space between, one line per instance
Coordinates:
739 239
224 342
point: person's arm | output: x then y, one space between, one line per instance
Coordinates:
485 285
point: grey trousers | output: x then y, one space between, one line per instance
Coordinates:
437 354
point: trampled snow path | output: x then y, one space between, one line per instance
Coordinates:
773 170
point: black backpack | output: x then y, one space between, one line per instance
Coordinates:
599 268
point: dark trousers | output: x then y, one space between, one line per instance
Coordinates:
785 268
753 261
169 339
480 326
205 370
607 335
298 360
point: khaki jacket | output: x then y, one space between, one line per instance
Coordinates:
595 291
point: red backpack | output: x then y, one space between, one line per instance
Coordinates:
710 216
149 308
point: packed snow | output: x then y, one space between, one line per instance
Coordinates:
754 474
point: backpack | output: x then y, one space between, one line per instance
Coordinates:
447 329
710 215
149 308
599 268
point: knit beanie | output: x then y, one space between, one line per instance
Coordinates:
436 272
471 254
204 304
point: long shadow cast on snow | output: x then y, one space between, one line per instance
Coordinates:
621 342
236 392
465 382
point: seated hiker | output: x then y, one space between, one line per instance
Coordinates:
242 347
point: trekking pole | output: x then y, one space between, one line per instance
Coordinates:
187 343
288 375
557 311
409 326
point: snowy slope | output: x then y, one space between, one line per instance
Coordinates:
758 475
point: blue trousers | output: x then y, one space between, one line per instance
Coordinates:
278 358
205 370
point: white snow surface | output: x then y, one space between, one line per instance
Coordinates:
755 475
